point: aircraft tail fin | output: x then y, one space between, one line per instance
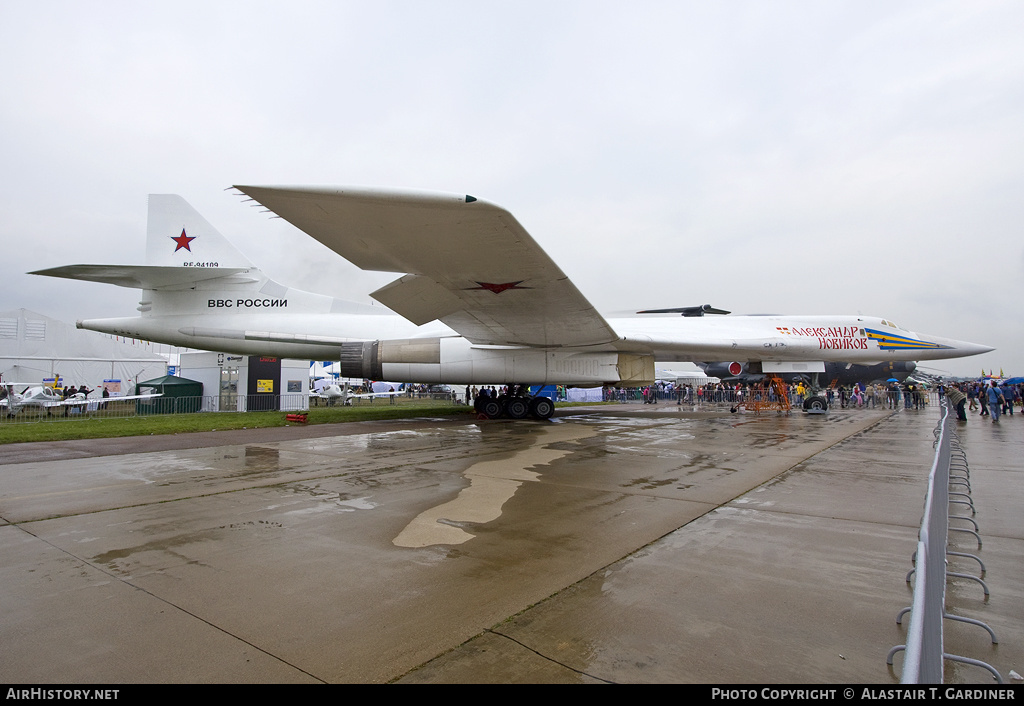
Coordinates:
178 236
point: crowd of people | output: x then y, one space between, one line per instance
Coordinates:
987 398
892 394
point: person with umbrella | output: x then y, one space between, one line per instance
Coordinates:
893 393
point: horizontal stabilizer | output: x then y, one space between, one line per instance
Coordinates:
687 310
144 276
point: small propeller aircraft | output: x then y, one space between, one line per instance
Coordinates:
333 393
45 397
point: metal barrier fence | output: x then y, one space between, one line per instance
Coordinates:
701 397
112 407
697 398
925 654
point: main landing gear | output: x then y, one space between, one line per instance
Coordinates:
815 402
517 404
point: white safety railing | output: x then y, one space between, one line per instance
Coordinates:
113 407
726 396
697 398
925 651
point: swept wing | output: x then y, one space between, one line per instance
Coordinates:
467 262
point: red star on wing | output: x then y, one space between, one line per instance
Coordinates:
183 241
499 288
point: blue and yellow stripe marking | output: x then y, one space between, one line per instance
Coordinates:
894 342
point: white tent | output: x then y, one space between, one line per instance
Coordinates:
584 394
34 347
323 369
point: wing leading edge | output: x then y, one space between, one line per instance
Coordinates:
466 262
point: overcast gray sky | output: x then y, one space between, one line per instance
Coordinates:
763 157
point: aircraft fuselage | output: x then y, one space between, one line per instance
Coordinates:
434 353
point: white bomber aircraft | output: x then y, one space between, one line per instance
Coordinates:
480 303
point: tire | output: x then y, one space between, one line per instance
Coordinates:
516 408
816 404
491 408
542 408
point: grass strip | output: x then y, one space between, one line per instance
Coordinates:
58 429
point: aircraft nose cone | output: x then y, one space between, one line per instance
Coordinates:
960 349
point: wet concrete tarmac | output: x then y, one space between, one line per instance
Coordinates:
614 544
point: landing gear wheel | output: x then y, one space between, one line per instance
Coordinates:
492 408
816 404
516 408
542 408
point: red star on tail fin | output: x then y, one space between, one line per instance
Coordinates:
182 241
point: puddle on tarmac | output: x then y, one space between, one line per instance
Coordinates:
491 485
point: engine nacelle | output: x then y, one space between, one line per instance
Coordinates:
729 371
457 361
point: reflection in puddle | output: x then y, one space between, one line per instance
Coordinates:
491 484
